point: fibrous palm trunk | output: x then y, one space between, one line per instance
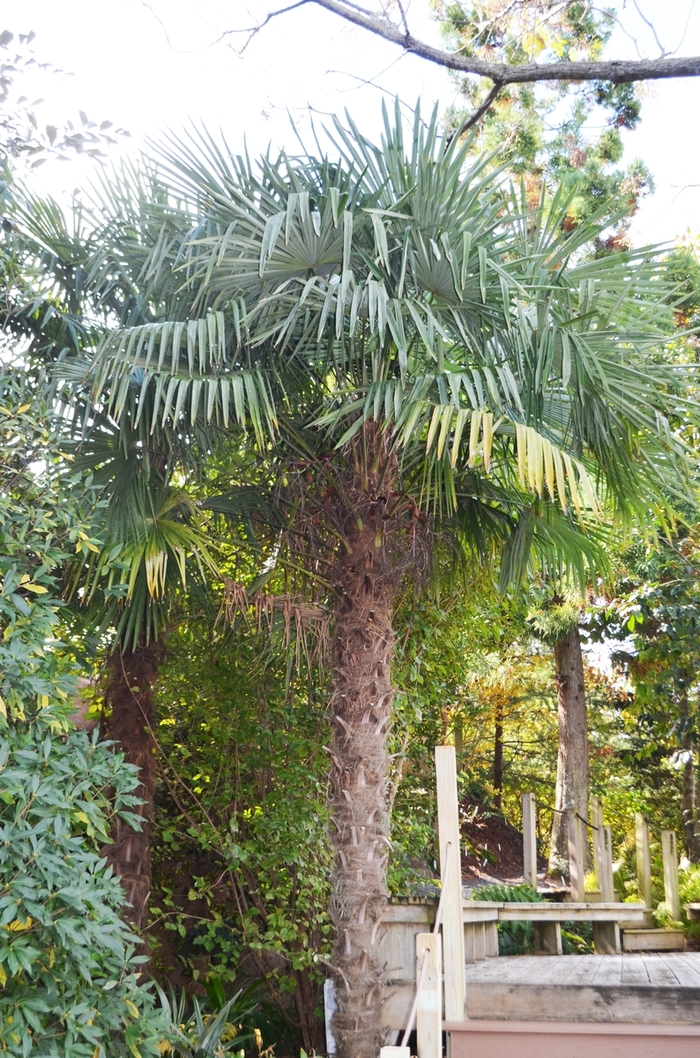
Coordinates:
572 758
361 700
129 696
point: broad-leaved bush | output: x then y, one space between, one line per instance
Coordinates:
70 969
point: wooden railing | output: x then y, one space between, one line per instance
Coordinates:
435 961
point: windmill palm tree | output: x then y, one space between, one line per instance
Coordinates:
130 590
433 360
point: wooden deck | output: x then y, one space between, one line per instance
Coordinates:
642 988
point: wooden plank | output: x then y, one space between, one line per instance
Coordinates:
421 914
429 1006
577 867
491 940
653 940
530 840
643 860
543 1002
547 938
451 873
660 976
394 1052
479 913
609 971
595 816
479 945
685 969
670 860
606 938
542 912
584 971
634 971
503 1039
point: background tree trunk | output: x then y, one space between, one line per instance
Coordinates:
498 758
689 811
572 759
129 697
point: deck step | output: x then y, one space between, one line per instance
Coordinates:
641 987
653 940
497 1039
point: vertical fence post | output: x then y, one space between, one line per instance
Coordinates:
576 856
329 1009
607 885
451 872
643 860
530 840
670 857
429 1009
595 814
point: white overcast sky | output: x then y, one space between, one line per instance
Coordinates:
148 66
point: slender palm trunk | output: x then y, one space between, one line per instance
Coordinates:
129 696
572 759
361 699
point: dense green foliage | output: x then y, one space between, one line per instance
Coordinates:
69 966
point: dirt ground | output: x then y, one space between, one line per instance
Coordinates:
492 849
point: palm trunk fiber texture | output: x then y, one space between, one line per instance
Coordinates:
361 703
129 697
572 758
367 575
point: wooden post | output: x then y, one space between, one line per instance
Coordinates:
607 885
451 873
547 938
329 1008
429 1009
606 935
458 741
643 860
670 857
530 840
576 856
595 814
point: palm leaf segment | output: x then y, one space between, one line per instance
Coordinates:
153 538
405 285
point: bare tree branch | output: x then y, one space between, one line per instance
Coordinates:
616 71
478 114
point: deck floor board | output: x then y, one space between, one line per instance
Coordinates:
663 970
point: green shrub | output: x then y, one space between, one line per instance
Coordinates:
68 964
69 967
